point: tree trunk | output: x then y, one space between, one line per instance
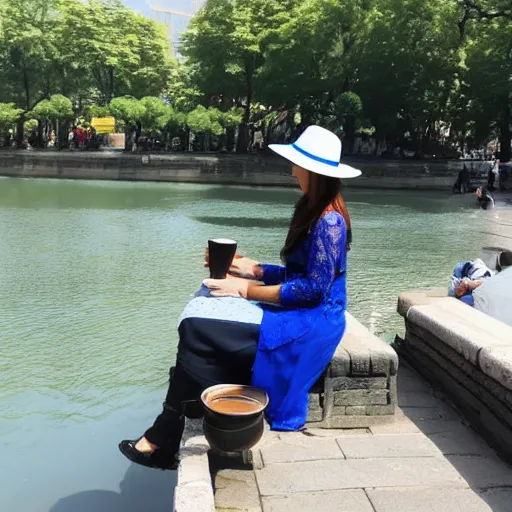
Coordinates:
350 135
230 139
243 134
505 134
20 130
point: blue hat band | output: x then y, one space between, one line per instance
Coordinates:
332 163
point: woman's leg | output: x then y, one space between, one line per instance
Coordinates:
210 352
166 431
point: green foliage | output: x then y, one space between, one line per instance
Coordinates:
9 115
30 125
116 50
410 72
96 111
128 109
57 107
205 120
155 115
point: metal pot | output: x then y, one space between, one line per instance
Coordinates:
233 417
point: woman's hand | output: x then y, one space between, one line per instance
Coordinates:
241 266
246 268
230 287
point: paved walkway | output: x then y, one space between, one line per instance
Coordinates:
427 461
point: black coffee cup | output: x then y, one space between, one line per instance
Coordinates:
222 252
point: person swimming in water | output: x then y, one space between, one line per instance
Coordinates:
484 198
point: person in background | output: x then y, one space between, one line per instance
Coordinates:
461 186
470 275
484 198
467 276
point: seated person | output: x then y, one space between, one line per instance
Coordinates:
494 296
467 276
470 275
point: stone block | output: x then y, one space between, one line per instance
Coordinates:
482 472
465 330
361 397
339 410
236 490
496 362
362 354
407 300
334 501
358 383
461 441
323 432
401 425
419 414
370 410
285 479
417 400
427 500
349 422
429 427
194 491
390 446
293 447
315 410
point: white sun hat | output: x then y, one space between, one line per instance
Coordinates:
317 150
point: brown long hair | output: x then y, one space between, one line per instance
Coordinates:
324 193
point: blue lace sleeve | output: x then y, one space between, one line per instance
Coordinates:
328 240
273 274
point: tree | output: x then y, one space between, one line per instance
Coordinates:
129 111
156 114
9 116
409 65
489 85
224 50
58 107
56 112
117 51
27 49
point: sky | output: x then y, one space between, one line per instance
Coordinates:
138 5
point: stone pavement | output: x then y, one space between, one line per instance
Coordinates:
429 460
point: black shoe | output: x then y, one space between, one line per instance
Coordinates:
159 459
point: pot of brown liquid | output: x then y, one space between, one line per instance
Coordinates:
233 417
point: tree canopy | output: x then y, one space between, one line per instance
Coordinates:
413 73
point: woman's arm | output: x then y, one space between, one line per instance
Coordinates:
328 241
270 274
259 293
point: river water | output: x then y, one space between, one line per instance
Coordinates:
93 276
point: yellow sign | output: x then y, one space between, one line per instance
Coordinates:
104 125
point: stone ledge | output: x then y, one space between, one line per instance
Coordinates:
194 490
359 387
469 354
483 341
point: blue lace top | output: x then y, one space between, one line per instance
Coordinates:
298 338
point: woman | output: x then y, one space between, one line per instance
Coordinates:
277 327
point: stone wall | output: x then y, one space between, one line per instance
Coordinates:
210 168
468 354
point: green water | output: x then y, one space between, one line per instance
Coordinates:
93 277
